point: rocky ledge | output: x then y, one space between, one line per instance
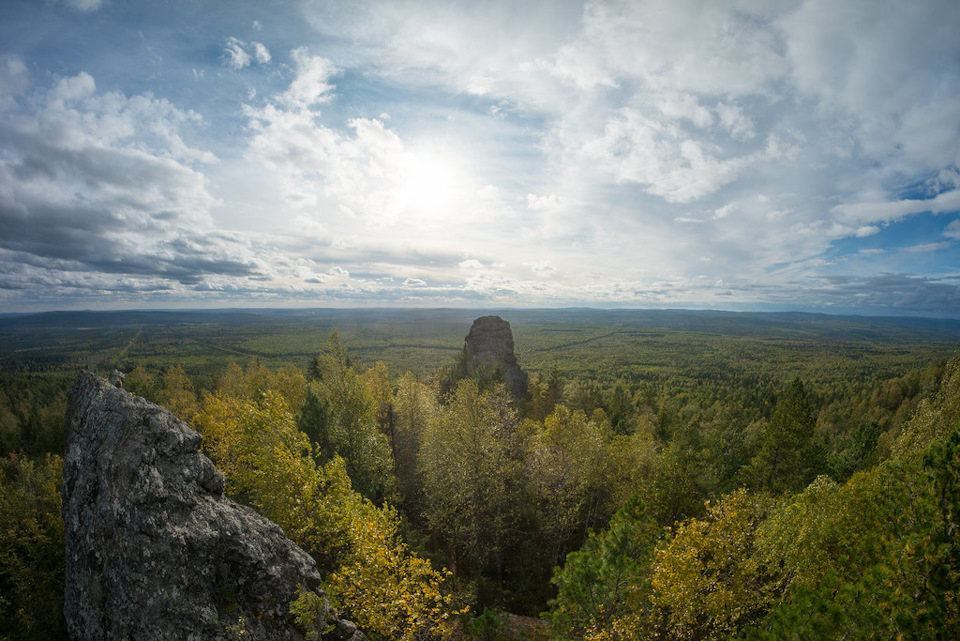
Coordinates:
154 550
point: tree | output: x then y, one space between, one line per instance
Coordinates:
347 426
141 382
415 406
877 557
787 457
378 583
372 576
177 393
473 478
264 457
706 580
608 578
565 461
31 549
545 394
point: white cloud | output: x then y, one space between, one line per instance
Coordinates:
892 211
701 47
953 229
234 54
321 168
543 267
927 248
543 202
882 63
74 88
311 85
600 150
637 149
84 6
735 121
238 54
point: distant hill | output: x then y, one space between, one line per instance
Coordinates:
714 322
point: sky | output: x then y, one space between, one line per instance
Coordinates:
713 154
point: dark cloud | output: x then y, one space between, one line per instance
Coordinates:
891 293
81 196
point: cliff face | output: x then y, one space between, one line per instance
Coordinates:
153 548
490 344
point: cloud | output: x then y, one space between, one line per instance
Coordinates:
882 64
892 211
238 54
84 6
543 202
14 79
311 85
543 267
102 183
707 48
662 158
632 152
700 106
927 248
322 169
953 229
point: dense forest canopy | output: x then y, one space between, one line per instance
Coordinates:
668 475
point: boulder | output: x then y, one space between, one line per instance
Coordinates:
154 550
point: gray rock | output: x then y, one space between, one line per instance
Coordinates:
490 345
154 550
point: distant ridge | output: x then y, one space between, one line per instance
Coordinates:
711 321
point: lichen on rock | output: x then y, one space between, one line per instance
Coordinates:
154 550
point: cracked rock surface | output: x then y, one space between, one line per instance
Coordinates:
154 550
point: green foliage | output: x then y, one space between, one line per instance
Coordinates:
268 463
787 459
343 416
877 557
679 408
489 625
31 413
546 392
311 613
567 466
473 477
31 549
265 458
609 577
415 405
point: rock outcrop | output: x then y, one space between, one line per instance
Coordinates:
153 548
490 345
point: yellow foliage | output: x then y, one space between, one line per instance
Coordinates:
377 581
177 394
706 581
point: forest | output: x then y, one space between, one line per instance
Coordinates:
668 475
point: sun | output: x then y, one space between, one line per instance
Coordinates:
432 184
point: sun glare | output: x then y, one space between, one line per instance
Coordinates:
431 186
